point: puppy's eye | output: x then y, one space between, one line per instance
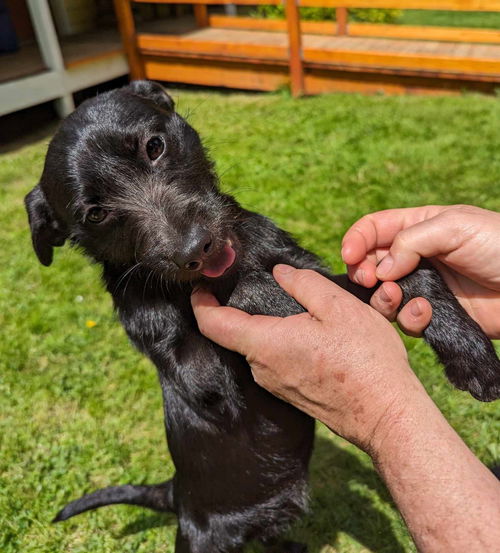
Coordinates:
155 147
96 215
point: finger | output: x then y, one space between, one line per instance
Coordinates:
229 327
380 228
312 290
364 273
415 316
387 299
355 242
430 238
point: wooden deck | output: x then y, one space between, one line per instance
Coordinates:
312 57
474 59
228 57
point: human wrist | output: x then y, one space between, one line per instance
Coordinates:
446 496
367 417
405 410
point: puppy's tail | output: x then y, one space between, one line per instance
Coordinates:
469 358
159 497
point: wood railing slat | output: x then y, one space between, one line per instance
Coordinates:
157 44
126 25
201 14
295 47
405 60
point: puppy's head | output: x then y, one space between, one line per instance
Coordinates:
128 180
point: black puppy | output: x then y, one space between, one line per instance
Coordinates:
128 180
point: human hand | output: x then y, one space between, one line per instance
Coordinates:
463 242
334 362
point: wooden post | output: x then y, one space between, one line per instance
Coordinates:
126 24
201 14
295 47
341 16
50 50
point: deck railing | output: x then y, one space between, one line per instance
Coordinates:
139 46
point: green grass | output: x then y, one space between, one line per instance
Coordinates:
80 409
443 18
439 18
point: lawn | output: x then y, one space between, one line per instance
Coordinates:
81 410
444 18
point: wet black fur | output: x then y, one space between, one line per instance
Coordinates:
241 455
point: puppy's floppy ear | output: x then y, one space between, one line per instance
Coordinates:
152 91
46 232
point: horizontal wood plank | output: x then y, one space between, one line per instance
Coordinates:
321 81
216 73
452 64
148 43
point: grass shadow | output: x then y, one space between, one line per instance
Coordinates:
147 521
346 497
26 127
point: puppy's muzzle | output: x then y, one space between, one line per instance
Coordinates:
196 245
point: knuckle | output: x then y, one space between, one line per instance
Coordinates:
258 365
362 223
402 241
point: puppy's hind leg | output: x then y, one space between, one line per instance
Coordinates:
159 497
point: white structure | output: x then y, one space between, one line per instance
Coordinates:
57 82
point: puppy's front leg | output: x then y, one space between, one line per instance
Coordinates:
469 358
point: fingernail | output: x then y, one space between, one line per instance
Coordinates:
343 252
385 266
284 269
384 296
359 277
415 309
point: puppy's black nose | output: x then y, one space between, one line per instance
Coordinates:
195 245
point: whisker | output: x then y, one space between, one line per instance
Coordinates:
124 275
129 278
151 272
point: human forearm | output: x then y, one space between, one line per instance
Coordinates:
450 501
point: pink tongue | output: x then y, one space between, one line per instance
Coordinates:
218 266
